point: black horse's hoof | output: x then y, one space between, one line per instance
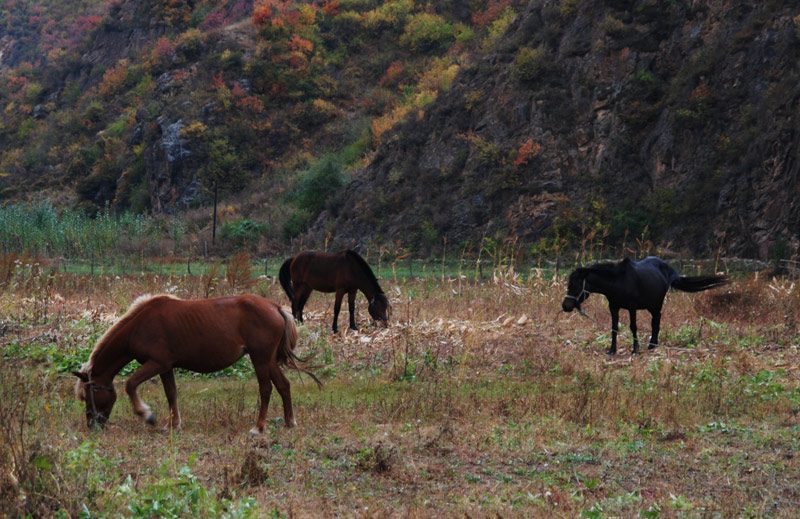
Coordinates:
652 346
354 328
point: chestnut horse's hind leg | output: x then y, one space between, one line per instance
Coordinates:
284 389
265 391
168 380
145 372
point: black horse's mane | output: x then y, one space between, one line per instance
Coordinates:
608 267
365 268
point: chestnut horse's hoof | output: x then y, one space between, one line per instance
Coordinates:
150 419
255 432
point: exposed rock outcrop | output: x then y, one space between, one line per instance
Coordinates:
681 118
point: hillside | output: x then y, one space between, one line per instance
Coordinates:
606 121
368 124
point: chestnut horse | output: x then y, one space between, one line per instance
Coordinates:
640 285
163 333
342 272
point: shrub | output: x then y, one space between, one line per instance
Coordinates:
796 20
613 27
529 63
297 222
568 7
238 272
243 232
190 43
318 183
426 32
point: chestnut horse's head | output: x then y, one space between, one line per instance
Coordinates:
99 399
576 290
379 308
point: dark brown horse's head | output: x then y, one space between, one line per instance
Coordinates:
576 290
380 308
99 399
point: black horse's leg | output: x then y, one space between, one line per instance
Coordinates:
614 327
351 303
337 306
656 327
633 331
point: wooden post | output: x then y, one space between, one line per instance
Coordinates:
214 223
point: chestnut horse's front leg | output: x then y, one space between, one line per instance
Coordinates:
145 372
168 380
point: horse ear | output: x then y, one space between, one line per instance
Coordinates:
81 375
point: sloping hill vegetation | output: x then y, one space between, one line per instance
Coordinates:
164 103
549 124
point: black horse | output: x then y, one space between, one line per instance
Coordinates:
640 285
342 272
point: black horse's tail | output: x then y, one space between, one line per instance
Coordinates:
700 283
286 279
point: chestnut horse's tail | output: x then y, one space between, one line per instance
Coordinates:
286 353
700 283
285 277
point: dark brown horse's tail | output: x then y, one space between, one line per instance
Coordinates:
700 283
286 353
285 277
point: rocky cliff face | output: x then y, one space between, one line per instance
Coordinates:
610 119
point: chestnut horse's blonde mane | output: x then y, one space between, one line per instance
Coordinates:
137 305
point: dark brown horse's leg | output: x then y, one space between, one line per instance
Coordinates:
265 391
168 380
351 303
145 372
633 331
337 306
301 295
284 389
614 327
656 327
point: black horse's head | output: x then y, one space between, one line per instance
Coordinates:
379 308
99 399
576 290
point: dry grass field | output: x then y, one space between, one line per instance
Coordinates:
480 400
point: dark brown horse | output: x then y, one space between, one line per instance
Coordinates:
163 333
342 272
639 285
